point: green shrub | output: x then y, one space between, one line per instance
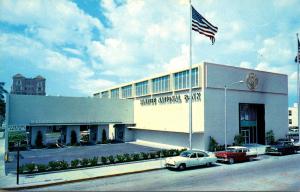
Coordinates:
63 164
176 152
135 157
127 157
39 139
84 162
152 155
41 167
73 137
165 153
75 163
213 144
93 161
120 158
30 167
144 155
239 139
22 169
158 154
270 138
104 160
184 149
111 159
104 138
53 165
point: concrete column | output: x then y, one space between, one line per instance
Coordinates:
111 133
100 131
34 131
71 128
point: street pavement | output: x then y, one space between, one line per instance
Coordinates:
274 173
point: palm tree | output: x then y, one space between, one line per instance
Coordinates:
2 102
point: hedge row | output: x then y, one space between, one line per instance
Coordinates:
95 161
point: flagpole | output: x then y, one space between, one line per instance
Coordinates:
190 79
298 94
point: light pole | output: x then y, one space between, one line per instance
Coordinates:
225 108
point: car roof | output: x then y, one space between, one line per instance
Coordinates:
237 147
195 150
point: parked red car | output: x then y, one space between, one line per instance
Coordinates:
236 154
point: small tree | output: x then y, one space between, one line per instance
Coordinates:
239 139
39 139
270 138
213 144
73 138
104 138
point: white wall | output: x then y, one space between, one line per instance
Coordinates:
27 109
168 117
169 139
271 91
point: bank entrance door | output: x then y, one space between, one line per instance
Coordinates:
252 122
249 134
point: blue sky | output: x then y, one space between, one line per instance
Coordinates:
81 47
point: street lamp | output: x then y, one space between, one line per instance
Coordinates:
225 108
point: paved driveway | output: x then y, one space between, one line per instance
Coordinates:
43 156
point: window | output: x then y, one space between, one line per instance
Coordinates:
141 88
200 155
290 112
127 91
161 84
114 93
290 121
193 155
181 79
104 94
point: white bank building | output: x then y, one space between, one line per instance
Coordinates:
155 110
161 105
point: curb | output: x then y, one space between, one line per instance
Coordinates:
76 180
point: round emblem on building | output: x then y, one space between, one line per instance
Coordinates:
251 81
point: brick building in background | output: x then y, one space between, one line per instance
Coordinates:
28 86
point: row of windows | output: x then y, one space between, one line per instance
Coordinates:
127 91
141 88
182 79
159 85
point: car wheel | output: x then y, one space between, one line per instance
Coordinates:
209 164
251 158
231 161
182 167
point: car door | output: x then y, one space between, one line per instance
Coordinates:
202 159
193 160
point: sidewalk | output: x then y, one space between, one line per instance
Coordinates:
46 179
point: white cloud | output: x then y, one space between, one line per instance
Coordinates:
51 21
245 64
241 46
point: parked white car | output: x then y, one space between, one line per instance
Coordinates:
191 158
260 149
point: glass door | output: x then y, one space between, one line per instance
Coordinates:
246 135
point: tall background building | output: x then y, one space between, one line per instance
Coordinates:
293 117
28 86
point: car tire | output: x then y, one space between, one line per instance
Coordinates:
231 161
251 158
182 167
208 164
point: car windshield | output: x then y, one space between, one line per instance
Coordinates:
185 154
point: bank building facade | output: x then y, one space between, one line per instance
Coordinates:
155 110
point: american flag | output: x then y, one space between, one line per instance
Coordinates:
298 54
202 26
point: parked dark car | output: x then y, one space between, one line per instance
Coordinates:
282 148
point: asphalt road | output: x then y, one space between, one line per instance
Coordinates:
269 173
43 156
